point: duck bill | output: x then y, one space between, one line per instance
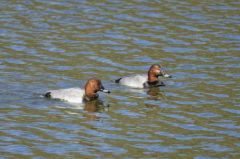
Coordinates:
167 76
164 74
105 90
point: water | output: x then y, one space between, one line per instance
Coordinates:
60 44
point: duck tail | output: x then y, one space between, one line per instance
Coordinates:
118 80
47 95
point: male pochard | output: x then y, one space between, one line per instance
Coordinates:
145 80
78 95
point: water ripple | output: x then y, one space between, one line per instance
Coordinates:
59 44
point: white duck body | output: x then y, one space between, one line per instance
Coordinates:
72 95
135 81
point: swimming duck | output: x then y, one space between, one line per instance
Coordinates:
78 95
144 81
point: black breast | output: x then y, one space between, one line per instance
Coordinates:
155 84
47 95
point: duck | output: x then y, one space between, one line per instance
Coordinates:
79 95
145 80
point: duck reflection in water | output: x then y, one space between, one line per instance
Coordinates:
93 107
155 93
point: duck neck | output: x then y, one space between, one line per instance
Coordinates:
90 95
152 78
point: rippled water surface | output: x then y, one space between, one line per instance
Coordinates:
60 44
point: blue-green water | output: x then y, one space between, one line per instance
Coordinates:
60 44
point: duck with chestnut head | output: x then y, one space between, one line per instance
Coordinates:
146 80
79 95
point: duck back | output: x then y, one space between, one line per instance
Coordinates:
135 81
73 95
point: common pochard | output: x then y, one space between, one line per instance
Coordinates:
145 80
78 95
